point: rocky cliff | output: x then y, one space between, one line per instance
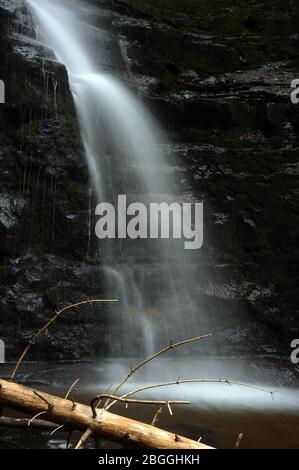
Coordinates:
217 75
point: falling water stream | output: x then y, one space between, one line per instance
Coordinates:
120 138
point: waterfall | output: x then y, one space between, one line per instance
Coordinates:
156 283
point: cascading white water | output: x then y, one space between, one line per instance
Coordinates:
156 304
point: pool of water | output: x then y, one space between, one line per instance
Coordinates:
217 413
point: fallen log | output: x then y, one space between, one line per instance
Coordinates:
80 417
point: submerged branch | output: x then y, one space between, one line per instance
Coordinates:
7 422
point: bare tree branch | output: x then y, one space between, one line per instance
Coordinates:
155 356
57 429
23 423
155 419
83 438
239 440
71 388
47 325
94 402
36 416
192 381
172 345
120 429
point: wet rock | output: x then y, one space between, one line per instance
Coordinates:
38 287
218 78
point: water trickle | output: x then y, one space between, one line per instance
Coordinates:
89 221
47 84
55 85
43 70
54 196
24 180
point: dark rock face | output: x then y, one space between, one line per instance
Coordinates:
218 78
218 74
44 194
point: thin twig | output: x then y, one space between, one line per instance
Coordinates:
169 408
39 395
68 440
157 416
36 416
68 395
71 388
45 328
50 407
239 440
94 402
192 381
83 438
57 429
